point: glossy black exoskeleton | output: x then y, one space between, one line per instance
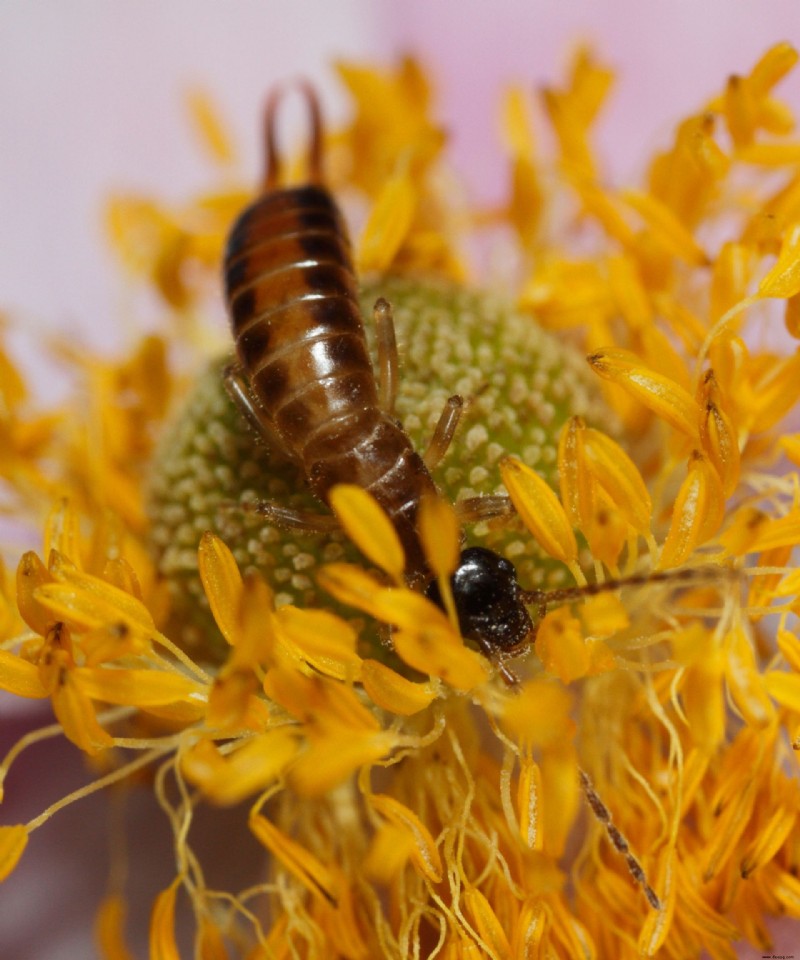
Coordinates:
489 602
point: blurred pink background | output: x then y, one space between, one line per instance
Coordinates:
91 102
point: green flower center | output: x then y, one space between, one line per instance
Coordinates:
520 385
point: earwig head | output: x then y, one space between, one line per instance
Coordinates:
489 602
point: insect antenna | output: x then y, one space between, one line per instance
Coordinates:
272 167
620 844
542 599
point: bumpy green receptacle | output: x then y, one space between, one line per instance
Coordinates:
520 384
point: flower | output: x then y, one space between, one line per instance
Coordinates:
418 793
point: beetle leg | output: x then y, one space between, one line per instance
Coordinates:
387 353
444 432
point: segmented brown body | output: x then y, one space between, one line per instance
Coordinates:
292 297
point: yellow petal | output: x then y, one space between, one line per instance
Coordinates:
791 316
775 394
723 842
629 292
256 640
770 154
771 67
369 528
162 925
89 602
540 510
485 921
789 646
75 713
210 125
112 641
783 280
222 583
786 888
721 445
324 705
771 837
62 532
528 939
590 83
702 696
539 715
323 640
424 853
351 585
433 651
698 511
745 682
516 122
666 228
255 763
13 840
32 574
606 209
20 677
730 277
109 929
314 876
575 483
784 687
743 531
604 615
529 803
561 647
330 760
388 853
395 693
782 532
140 688
527 200
413 611
657 925
740 110
439 531
233 701
619 477
388 224
666 398
211 941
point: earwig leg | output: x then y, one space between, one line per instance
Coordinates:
601 811
490 652
289 518
387 353
238 389
444 432
475 509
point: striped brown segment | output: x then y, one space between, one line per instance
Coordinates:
291 292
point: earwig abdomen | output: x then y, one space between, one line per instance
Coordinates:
291 292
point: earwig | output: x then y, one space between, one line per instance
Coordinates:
305 378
